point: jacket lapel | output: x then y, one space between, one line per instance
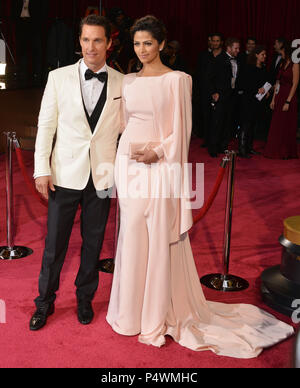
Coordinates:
75 80
110 83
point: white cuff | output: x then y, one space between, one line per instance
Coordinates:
159 151
35 176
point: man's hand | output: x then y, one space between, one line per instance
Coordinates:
216 97
43 184
146 157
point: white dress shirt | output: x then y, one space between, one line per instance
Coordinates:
234 67
91 89
279 58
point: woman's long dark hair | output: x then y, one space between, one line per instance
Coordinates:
288 50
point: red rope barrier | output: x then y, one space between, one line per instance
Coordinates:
198 218
28 181
212 196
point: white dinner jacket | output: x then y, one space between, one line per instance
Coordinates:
77 151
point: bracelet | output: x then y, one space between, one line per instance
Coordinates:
288 102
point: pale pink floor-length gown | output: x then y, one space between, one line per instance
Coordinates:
156 289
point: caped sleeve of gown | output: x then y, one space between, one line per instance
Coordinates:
173 118
124 115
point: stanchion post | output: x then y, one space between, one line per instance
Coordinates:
226 282
11 252
229 212
297 351
9 191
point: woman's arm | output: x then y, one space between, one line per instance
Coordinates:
294 87
274 94
180 130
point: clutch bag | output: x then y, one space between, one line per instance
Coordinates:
139 147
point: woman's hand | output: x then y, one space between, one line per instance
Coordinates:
272 106
286 107
261 91
146 157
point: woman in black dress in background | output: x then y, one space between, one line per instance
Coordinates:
252 82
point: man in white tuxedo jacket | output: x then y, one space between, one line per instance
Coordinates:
81 114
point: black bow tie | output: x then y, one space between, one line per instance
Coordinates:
102 77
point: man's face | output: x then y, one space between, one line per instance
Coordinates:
234 49
250 46
94 45
216 42
277 46
119 19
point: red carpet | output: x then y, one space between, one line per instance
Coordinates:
267 192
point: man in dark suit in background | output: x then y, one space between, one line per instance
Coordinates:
250 46
243 58
198 88
29 16
204 65
223 80
1 10
277 59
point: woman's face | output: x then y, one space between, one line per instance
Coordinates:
146 47
282 52
262 57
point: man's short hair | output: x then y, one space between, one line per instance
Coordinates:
231 41
251 38
96 20
281 40
218 35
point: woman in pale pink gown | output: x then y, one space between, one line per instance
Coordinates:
156 289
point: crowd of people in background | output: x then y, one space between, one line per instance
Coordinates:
235 94
238 94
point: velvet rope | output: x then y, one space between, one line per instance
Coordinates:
198 218
212 196
28 181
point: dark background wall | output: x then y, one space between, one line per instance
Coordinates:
188 21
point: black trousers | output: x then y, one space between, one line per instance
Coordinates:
206 116
62 208
251 117
223 122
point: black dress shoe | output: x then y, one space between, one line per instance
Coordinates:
244 155
213 154
253 152
85 313
222 149
39 318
